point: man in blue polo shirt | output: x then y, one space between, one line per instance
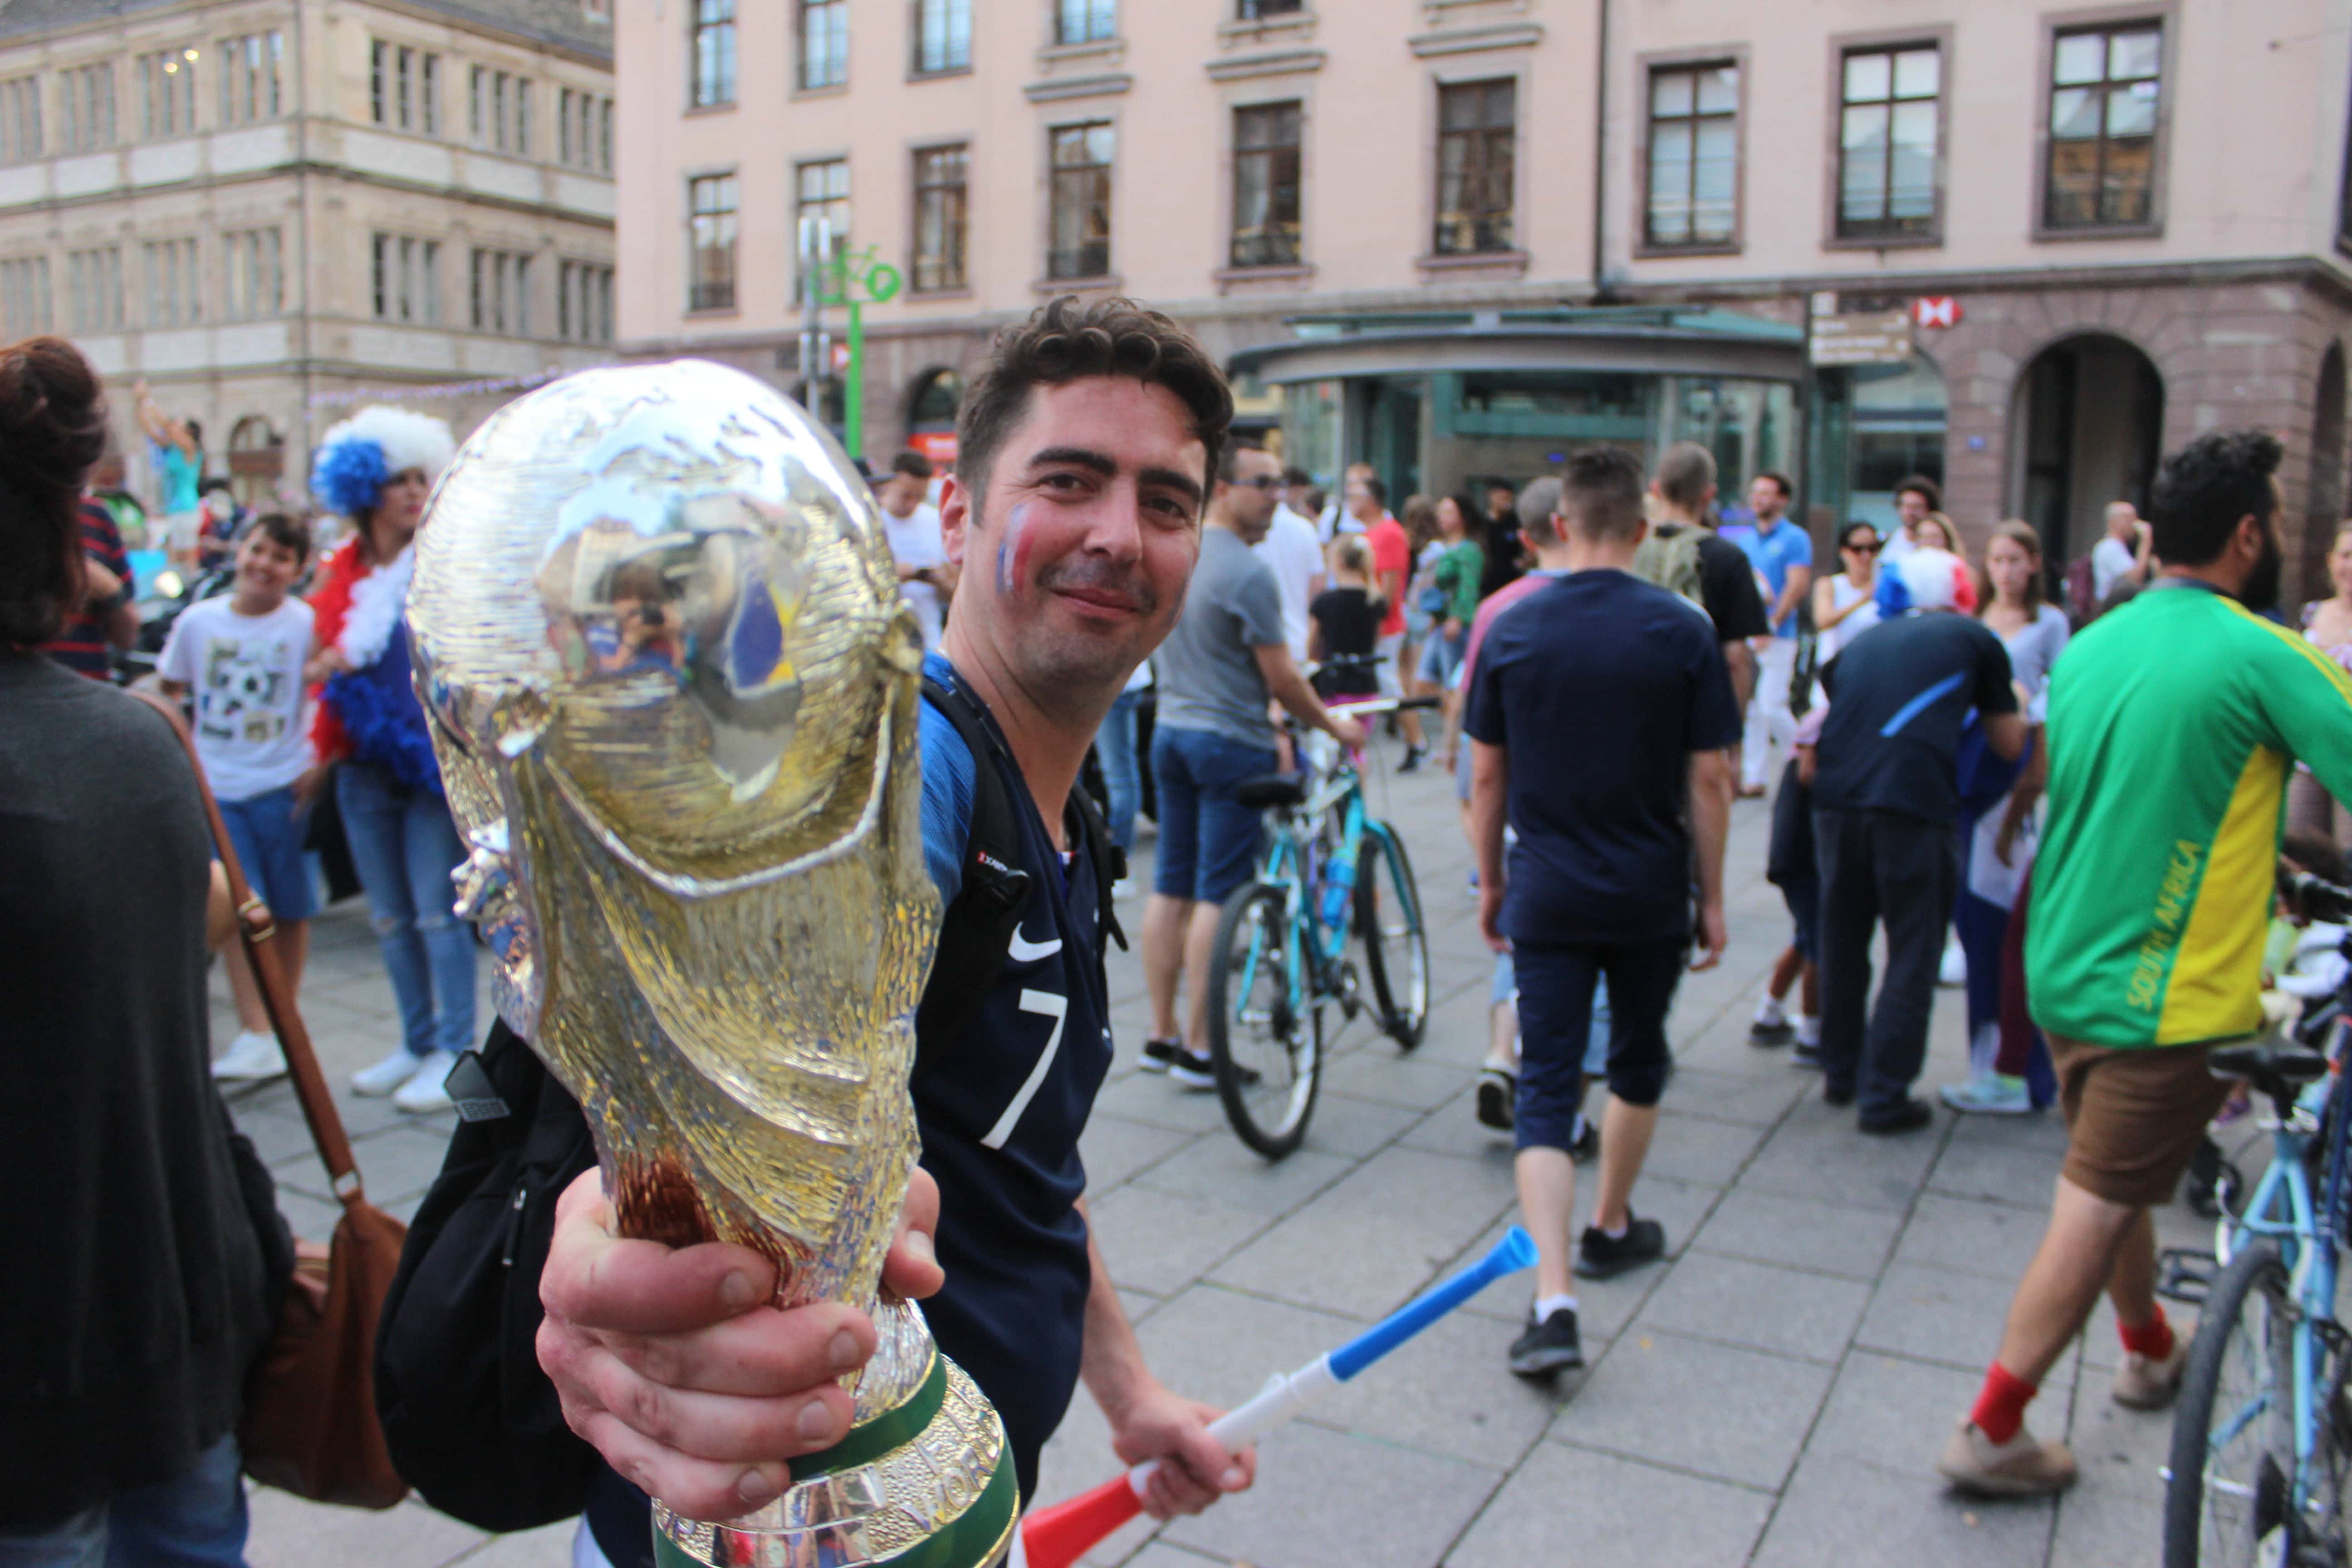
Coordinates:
1087 447
1783 557
1602 718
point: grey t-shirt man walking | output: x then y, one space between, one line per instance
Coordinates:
1226 660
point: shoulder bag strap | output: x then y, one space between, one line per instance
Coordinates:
255 929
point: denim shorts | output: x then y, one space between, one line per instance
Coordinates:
1441 656
1208 841
267 834
1803 897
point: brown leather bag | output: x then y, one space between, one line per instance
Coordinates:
309 1425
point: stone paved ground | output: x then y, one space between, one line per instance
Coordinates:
1774 1394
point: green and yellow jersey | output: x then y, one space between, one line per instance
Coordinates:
2173 723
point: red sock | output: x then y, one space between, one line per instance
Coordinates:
2152 1339
2000 1407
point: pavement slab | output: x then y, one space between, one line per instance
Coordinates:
1566 1505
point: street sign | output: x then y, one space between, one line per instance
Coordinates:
1868 337
1936 310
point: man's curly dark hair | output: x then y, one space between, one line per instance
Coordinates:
1064 341
2203 489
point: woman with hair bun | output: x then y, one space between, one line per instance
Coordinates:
139 1277
376 468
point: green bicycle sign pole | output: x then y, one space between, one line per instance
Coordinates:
832 274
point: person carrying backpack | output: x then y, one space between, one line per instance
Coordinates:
1684 555
1088 446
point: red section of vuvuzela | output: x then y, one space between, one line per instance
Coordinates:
1058 1536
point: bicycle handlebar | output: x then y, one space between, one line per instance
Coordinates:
2317 900
1352 708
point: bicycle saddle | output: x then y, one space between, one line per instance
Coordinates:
2273 1066
1270 790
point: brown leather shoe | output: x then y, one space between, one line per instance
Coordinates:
2023 1467
2143 1383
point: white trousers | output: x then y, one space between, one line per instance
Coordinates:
1769 719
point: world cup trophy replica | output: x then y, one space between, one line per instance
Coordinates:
674 694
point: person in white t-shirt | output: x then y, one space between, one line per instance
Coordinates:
1915 498
927 578
1294 551
2123 553
242 658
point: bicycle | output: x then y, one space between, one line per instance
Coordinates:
1331 872
2262 1439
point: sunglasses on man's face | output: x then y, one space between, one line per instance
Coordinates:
1268 482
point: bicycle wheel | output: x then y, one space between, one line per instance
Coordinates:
2229 1498
1396 942
1265 1022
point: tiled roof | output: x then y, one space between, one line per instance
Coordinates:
564 22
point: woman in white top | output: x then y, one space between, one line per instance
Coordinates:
1999 834
1845 605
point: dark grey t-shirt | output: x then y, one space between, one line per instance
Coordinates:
1209 677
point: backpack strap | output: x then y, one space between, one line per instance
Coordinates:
975 930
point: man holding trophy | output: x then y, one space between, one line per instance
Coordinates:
675 698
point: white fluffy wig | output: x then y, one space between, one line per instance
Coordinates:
356 457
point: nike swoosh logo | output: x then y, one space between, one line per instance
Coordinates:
1022 951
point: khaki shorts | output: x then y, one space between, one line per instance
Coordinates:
2134 1116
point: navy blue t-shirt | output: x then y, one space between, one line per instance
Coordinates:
1601 687
1899 695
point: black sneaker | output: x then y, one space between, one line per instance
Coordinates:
1586 1145
1779 1034
1906 1115
1499 1091
1547 1347
1158 1056
1834 1095
1602 1256
1805 1056
1201 1072
1412 759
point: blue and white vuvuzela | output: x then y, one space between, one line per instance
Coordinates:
1057 1536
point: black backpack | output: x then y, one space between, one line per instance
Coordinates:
471 1420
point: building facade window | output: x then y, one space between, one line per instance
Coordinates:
824 43
24 297
1086 21
86 107
1476 130
711 55
710 243
170 266
405 88
2105 87
1259 10
94 288
254 260
1887 136
583 129
583 303
501 292
250 71
941 175
1265 186
167 92
942 36
498 111
821 190
20 119
407 277
1079 242
1694 155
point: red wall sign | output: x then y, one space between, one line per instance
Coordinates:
1936 310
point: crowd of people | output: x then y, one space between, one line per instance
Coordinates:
1948 753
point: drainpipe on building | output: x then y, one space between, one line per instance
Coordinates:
1601 160
302 206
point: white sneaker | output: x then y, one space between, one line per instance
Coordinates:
424 1092
250 1057
1954 968
390 1074
1992 1095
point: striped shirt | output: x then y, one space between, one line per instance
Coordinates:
83 645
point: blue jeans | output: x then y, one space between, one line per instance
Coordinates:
404 846
1115 744
193 1521
1208 841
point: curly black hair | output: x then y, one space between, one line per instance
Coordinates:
1063 342
2204 489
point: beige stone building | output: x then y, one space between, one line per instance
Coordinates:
1457 237
264 207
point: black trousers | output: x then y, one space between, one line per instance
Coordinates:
1881 866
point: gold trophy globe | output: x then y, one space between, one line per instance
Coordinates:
674 692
